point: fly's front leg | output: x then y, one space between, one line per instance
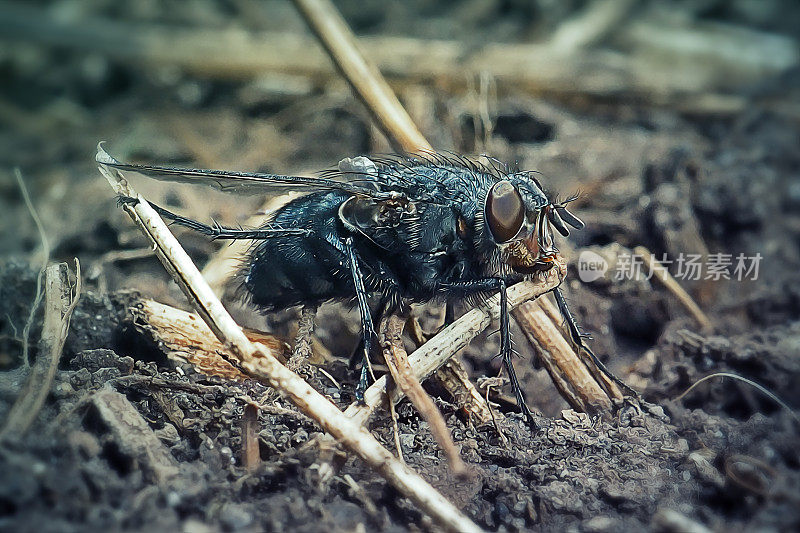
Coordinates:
577 338
367 330
506 351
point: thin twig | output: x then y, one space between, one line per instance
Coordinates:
763 390
37 300
489 383
396 431
391 331
662 274
260 363
60 303
365 79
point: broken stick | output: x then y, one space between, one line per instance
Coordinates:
391 331
133 435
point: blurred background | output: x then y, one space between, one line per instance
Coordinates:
677 121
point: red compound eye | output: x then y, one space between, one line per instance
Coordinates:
505 211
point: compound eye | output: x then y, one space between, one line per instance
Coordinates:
505 211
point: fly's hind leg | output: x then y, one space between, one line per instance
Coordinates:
302 351
367 330
216 231
578 339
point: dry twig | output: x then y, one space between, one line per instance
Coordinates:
391 332
61 301
662 274
570 375
365 79
133 434
454 378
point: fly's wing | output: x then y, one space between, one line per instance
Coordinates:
242 182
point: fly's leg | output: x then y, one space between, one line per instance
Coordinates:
449 313
301 351
367 329
216 231
506 351
577 338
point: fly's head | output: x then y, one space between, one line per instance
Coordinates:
518 219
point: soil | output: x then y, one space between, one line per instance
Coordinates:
722 457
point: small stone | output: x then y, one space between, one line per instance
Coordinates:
407 440
168 434
599 524
235 517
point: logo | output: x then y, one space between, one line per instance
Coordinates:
591 266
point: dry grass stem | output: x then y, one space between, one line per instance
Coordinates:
37 299
661 273
402 373
61 299
454 378
365 79
396 430
251 455
572 378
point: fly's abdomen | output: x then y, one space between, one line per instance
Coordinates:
289 270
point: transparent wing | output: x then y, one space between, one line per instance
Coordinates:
240 182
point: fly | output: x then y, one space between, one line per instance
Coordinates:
406 228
